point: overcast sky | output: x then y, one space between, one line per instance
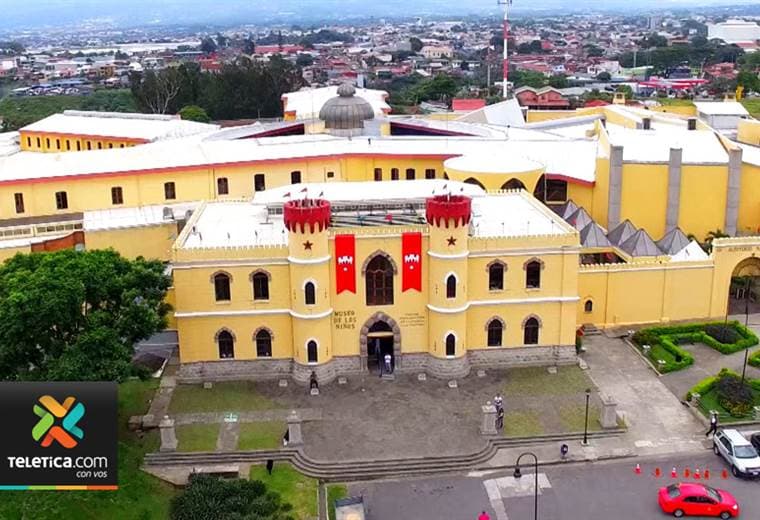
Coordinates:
15 13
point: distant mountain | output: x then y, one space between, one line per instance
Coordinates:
171 12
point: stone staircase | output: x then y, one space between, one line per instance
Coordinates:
589 329
348 471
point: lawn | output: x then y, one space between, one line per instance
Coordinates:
522 424
294 488
263 435
237 396
752 106
671 102
197 437
538 382
140 496
709 401
335 492
574 417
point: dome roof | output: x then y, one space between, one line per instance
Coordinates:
346 111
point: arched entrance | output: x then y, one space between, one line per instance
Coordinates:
744 292
513 184
379 336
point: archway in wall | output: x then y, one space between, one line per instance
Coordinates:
379 336
475 182
744 291
550 191
513 184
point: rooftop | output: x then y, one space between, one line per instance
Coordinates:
143 127
307 103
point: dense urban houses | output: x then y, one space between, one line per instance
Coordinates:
324 242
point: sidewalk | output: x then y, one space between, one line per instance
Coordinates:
657 421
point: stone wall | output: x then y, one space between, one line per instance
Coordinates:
449 368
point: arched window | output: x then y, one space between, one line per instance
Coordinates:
588 306
495 332
226 344
260 281
410 174
451 286
430 173
530 331
394 174
474 182
295 177
222 186
496 276
311 352
378 174
222 287
263 343
451 345
513 184
533 274
379 281
309 293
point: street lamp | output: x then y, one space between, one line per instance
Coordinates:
518 474
585 426
746 323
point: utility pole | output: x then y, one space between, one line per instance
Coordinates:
506 4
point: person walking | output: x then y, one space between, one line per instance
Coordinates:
388 367
270 466
499 418
713 424
498 401
484 516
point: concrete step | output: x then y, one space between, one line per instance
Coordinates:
589 329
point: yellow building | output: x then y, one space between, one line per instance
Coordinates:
611 199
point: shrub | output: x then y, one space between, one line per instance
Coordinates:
723 333
733 395
708 383
754 359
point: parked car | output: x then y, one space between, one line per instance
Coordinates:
738 452
692 499
755 440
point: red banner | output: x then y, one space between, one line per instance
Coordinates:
411 254
345 263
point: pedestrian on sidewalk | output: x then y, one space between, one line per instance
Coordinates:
498 402
270 466
484 516
713 423
286 438
388 368
500 418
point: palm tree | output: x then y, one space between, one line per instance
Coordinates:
712 235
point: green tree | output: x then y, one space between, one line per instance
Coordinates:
13 48
416 44
304 60
604 76
73 315
654 40
208 45
211 498
748 80
558 81
528 78
194 113
593 51
625 89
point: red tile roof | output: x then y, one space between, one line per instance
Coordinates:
467 105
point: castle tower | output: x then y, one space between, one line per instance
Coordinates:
449 218
307 221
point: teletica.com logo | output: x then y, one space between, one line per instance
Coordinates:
46 430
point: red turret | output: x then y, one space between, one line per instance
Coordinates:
303 213
442 208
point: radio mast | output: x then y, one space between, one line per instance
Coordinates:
505 87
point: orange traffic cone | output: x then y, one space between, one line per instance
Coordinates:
686 473
696 474
657 472
637 469
707 474
724 473
674 473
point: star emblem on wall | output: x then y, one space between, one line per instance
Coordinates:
452 241
307 245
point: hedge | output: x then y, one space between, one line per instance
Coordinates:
681 358
707 384
754 359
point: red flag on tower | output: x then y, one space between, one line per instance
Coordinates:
411 252
345 263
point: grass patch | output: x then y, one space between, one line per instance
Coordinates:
261 435
536 381
752 106
140 496
574 418
294 488
709 401
522 424
197 437
223 397
669 102
335 492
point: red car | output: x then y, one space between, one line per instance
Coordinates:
691 499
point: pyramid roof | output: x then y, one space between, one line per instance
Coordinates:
622 232
640 244
593 236
674 241
566 209
580 219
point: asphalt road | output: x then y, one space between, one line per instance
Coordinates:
599 491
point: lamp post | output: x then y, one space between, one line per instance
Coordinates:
518 474
585 425
746 323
